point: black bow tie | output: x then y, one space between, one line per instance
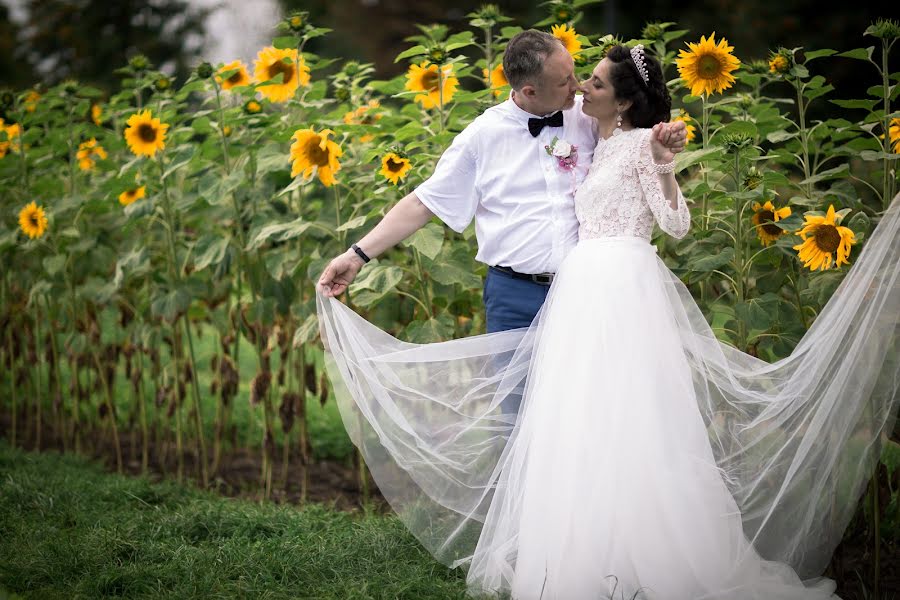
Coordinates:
554 120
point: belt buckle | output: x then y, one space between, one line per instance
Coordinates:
543 278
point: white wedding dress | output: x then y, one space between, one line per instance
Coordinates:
647 459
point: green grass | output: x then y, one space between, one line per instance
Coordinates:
69 530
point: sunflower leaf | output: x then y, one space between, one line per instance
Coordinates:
180 159
689 158
864 104
776 137
211 249
170 305
307 332
431 330
828 174
859 53
353 223
280 232
819 54
427 240
375 283
414 51
285 42
711 262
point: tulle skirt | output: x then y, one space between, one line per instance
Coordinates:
647 457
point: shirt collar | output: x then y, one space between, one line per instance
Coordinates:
517 113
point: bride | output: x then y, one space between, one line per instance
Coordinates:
647 459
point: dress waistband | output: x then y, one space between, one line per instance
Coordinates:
631 240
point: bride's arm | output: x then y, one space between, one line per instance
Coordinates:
661 190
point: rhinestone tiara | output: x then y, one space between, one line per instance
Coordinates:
637 55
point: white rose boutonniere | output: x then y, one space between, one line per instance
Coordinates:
566 154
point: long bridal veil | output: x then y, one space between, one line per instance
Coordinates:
795 440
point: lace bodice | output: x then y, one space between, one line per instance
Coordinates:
621 195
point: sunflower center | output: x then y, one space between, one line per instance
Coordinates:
828 239
430 81
393 165
33 219
147 132
767 218
236 78
709 67
287 71
316 155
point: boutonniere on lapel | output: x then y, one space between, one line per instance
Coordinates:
566 154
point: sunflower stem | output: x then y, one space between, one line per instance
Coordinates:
12 384
222 130
420 276
61 416
887 178
740 290
76 404
804 138
440 70
111 413
796 287
176 278
142 407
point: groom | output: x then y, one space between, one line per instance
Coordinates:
505 170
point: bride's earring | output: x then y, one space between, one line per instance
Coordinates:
618 128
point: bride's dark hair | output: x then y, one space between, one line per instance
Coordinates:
650 102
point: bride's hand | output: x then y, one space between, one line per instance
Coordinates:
660 144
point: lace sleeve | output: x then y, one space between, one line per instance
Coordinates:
674 222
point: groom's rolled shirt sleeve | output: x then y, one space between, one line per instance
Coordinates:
450 192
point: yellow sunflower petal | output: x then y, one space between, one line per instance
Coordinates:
33 220
270 62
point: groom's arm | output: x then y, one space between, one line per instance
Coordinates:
404 219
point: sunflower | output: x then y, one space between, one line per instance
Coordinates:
313 151
252 107
823 238
424 78
707 67
86 153
894 133
32 220
764 218
10 143
129 196
270 62
394 167
239 77
690 130
779 64
144 134
568 37
364 115
497 79
96 114
31 100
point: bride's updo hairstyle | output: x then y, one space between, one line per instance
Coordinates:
650 102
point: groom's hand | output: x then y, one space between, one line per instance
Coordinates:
339 274
673 136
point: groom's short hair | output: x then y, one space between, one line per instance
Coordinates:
523 60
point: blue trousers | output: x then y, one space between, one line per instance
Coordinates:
510 303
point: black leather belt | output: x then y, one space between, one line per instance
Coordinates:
541 278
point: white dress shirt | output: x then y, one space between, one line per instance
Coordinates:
522 201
